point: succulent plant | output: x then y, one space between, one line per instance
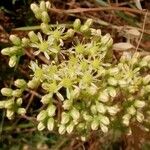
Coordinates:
84 88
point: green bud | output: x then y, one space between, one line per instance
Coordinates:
45 28
146 79
9 114
51 110
89 22
43 6
70 128
75 114
9 104
67 104
95 124
62 129
139 104
139 117
112 81
104 128
6 92
122 83
17 93
41 126
15 40
113 71
93 109
2 104
48 5
50 124
131 110
13 61
104 120
33 37
112 110
100 107
87 117
103 97
112 91
46 99
45 17
147 88
105 39
15 50
34 83
20 83
84 29
36 10
42 115
65 118
19 101
6 51
77 24
69 33
21 111
25 42
126 118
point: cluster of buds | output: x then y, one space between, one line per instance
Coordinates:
85 91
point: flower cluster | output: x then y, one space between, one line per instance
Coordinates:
84 89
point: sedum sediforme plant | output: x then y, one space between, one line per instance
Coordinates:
83 89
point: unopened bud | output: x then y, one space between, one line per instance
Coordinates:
33 84
13 61
70 128
9 104
104 128
45 28
100 107
139 117
36 10
65 118
9 114
94 124
25 42
112 81
84 29
6 51
67 104
89 22
41 126
104 120
46 99
77 24
139 104
75 114
42 115
17 93
45 17
19 101
43 6
21 111
6 92
62 129
51 110
50 124
33 37
15 40
20 83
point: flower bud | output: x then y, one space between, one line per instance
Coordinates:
62 129
41 126
43 6
126 118
42 115
67 104
139 104
2 104
15 40
105 39
50 124
75 114
104 120
33 37
65 118
6 51
48 5
51 110
104 128
146 79
112 110
93 109
6 92
112 91
46 99
70 128
45 28
94 124
89 22
77 24
103 97
131 110
139 117
45 17
9 114
36 10
122 83
17 93
100 107
20 83
21 111
87 117
9 104
69 33
112 81
34 83
19 101
25 42
84 29
147 88
13 61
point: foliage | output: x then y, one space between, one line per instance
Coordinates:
82 88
